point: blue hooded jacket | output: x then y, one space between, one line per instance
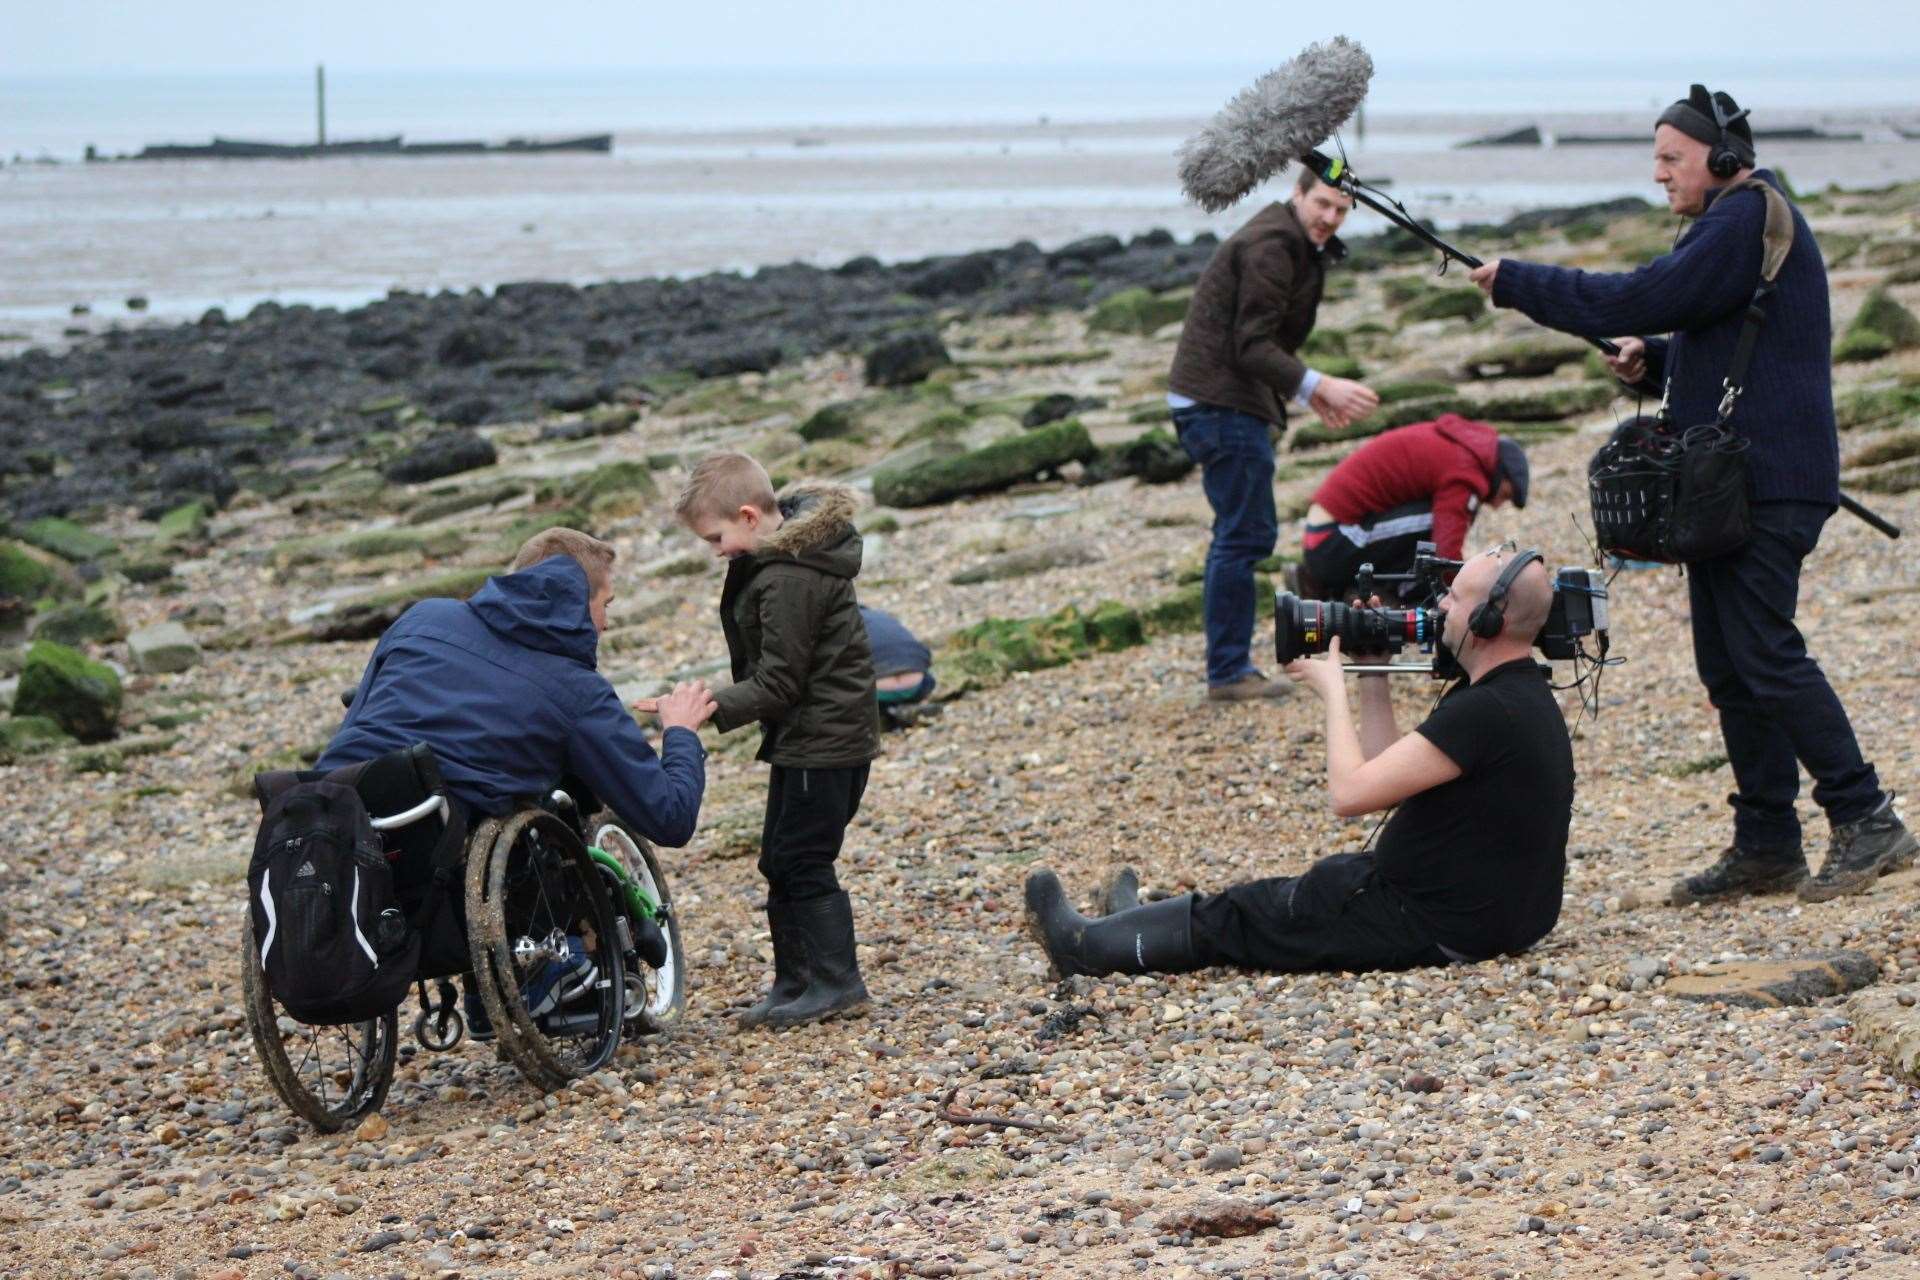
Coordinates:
504 688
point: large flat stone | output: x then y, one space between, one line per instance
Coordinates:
163 648
1769 984
1887 1021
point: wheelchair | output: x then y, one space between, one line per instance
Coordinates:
560 887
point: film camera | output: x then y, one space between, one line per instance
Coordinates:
1302 627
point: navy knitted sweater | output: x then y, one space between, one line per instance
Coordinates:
1699 294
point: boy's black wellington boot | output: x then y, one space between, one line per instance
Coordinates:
834 986
1120 891
1155 938
789 964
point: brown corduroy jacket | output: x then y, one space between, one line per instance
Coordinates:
1255 304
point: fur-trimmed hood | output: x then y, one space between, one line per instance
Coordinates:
816 530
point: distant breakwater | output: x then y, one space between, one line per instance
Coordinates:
152 416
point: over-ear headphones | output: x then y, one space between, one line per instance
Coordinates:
1731 153
1491 614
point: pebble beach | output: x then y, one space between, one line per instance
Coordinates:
1651 1091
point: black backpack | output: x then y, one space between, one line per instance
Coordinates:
335 946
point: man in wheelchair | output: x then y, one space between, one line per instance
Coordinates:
504 690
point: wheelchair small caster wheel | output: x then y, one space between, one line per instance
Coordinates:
441 1030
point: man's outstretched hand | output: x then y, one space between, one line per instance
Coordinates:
1341 402
689 706
1631 364
1323 674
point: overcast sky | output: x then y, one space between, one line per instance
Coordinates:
206 35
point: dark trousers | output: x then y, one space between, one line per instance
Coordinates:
1777 710
1235 453
807 815
1338 916
1332 559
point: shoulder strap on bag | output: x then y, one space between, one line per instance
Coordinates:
1776 238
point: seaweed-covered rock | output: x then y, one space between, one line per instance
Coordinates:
185 523
23 576
1858 346
1026 561
28 736
367 617
1050 408
830 422
1415 389
998 646
1529 357
163 648
903 361
1445 304
68 540
1138 311
998 465
611 492
1549 404
1385 418
1877 406
78 624
1154 456
1880 314
78 694
446 454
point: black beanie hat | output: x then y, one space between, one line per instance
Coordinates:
1693 116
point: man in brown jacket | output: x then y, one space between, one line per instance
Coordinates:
803 668
1233 373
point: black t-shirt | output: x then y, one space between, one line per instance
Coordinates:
1483 859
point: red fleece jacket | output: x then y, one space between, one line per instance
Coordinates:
1451 461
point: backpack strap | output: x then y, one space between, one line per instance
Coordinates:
1776 238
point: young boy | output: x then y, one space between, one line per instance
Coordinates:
802 668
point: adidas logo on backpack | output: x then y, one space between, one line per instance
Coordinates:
306 869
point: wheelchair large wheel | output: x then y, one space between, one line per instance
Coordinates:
656 998
546 952
329 1076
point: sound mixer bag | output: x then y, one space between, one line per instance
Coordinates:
1681 495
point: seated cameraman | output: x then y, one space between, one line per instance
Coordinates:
1470 865
1418 483
504 688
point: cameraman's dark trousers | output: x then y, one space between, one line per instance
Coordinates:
807 815
1337 915
1777 710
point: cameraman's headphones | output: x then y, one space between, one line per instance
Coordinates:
1731 153
1491 614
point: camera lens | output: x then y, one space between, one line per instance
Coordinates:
1302 627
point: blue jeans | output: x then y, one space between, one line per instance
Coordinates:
1234 451
1777 710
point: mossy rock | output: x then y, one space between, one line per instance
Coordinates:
1323 342
1837 246
147 569
68 540
78 694
824 458
366 544
1399 291
1892 253
1880 314
1859 346
438 505
1385 418
1876 406
1901 476
23 576
1446 304
79 624
999 646
1339 366
29 736
998 465
1138 311
1419 389
1154 456
948 424
1528 357
613 491
832 421
186 522
1547 405
1892 448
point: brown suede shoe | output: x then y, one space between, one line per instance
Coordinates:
1249 688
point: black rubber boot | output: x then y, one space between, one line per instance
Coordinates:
834 987
1119 892
1155 938
789 964
1739 872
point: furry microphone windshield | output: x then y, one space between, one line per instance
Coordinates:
1274 121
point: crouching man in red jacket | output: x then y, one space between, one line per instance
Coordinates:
1419 483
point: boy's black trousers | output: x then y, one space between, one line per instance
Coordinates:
807 815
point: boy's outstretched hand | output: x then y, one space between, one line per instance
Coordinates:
689 706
